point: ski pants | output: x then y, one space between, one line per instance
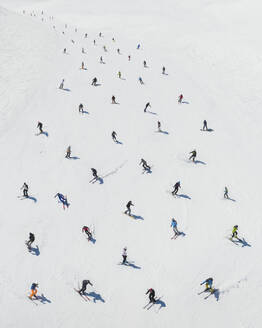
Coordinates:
124 258
128 211
33 293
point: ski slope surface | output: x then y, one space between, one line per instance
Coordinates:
212 55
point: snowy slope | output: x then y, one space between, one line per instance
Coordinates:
211 55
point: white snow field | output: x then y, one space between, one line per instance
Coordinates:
212 54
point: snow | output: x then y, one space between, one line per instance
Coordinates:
211 52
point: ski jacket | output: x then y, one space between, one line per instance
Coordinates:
174 224
208 281
124 252
85 283
31 237
34 285
151 292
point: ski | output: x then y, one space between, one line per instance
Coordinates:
32 301
84 297
157 299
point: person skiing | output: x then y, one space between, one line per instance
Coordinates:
124 255
64 50
129 58
31 240
180 98
81 108
85 35
193 156
144 63
33 290
40 126
159 126
68 152
208 282
83 50
113 100
94 172
113 39
84 284
87 231
226 193
61 86
234 232
114 134
144 164
147 105
138 46
176 187
104 47
94 81
163 70
100 34
128 206
101 60
151 295
119 75
94 42
174 226
205 125
62 199
25 190
82 65
140 80
118 51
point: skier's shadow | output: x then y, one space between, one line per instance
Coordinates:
161 303
97 85
68 90
185 102
96 297
74 157
34 250
119 142
183 196
84 112
43 299
147 171
207 130
93 240
100 180
232 200
152 113
164 132
137 217
45 133
243 242
181 233
217 294
200 162
32 198
132 265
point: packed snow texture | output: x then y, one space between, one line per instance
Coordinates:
212 55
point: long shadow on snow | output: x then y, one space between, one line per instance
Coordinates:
152 113
243 242
183 196
68 90
137 217
32 198
200 162
74 157
164 132
43 299
96 297
132 265
35 250
119 142
162 304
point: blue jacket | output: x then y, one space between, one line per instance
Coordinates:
33 287
173 224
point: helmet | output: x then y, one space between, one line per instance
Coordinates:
125 248
236 226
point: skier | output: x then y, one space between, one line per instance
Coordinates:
151 295
163 70
140 80
129 58
81 108
68 152
85 35
64 50
147 105
128 205
100 34
159 126
180 98
25 190
114 136
94 172
101 60
84 284
144 164
176 187
235 232
94 81
124 255
118 51
86 230
82 65
174 226
119 75
94 42
113 39
209 283
62 84
193 156
138 46
113 100
226 193
144 63
31 240
33 290
205 125
40 126
104 47
62 199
